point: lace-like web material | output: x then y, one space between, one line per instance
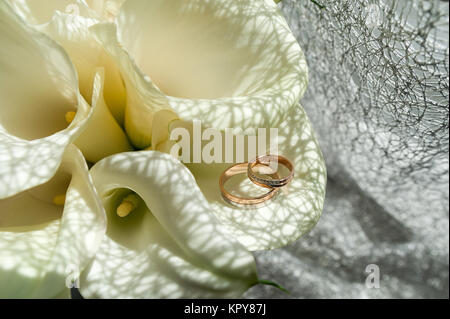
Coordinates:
378 98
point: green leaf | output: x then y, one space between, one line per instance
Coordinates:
271 283
313 1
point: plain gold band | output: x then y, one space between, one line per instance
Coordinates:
232 199
270 183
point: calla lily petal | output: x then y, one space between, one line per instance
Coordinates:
72 32
145 102
170 246
103 136
106 9
33 130
298 206
226 63
42 242
241 68
41 11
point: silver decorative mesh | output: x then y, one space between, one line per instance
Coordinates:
378 98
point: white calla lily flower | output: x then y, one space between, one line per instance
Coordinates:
41 11
36 123
106 9
150 67
67 23
72 33
297 207
50 231
51 219
38 88
169 246
229 64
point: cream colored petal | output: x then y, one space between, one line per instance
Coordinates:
229 64
38 85
170 246
294 211
144 100
226 63
41 11
107 9
72 32
40 242
103 136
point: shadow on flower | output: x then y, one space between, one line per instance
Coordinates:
170 246
229 64
294 211
43 238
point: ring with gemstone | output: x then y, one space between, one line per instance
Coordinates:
233 199
269 160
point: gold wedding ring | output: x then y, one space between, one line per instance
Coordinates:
274 183
232 199
268 160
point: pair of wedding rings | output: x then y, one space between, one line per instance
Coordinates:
274 183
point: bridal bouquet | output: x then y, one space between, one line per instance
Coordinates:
91 193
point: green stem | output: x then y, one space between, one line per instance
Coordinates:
317 4
271 283
313 1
